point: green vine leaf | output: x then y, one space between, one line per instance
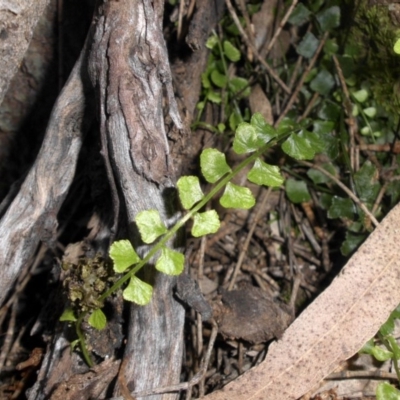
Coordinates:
205 223
297 191
138 292
246 139
150 225
68 316
265 174
170 262
385 391
264 131
189 191
123 255
300 15
329 18
97 319
218 79
213 165
237 197
231 51
240 87
308 45
300 147
323 82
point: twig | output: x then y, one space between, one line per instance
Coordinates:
280 27
270 71
351 121
344 188
248 238
294 95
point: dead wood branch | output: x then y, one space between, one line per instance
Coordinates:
32 216
18 19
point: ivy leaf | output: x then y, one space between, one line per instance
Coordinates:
341 208
361 95
265 174
240 86
318 177
367 183
97 319
323 127
353 240
237 197
329 18
211 42
308 45
138 292
68 315
150 225
218 79
170 262
205 223
123 255
298 147
381 354
297 191
246 139
214 97
189 191
264 131
329 111
213 165
323 82
317 143
385 391
231 51
300 15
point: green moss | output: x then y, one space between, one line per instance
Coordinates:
370 44
86 281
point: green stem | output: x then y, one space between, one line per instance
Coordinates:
81 338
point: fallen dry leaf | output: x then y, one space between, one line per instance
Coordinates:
334 327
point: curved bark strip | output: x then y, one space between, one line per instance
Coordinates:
32 216
129 67
17 23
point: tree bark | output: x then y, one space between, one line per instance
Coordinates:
129 67
32 216
18 19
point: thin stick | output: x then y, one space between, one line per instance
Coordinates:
281 25
348 110
270 71
248 238
294 95
345 189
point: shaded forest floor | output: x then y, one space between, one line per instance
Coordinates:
284 251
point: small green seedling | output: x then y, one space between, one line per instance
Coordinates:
253 138
387 349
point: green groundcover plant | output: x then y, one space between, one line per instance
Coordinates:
253 138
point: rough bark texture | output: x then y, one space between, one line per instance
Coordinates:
129 68
18 19
32 216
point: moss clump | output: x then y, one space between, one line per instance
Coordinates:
370 44
86 281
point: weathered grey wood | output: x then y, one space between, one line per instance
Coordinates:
32 216
18 19
129 67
